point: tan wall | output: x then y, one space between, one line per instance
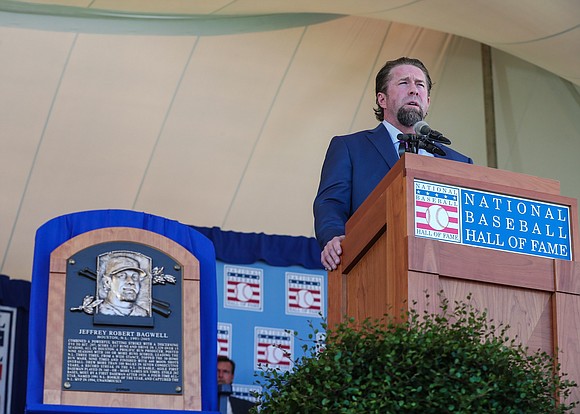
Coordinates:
227 125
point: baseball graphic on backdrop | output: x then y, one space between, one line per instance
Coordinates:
244 292
274 354
305 298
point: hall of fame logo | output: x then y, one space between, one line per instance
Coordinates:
437 211
274 348
304 294
224 339
492 220
243 288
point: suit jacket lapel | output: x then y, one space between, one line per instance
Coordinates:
382 141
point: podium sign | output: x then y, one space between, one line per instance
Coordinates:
122 302
491 220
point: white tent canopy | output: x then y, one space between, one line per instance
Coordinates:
219 113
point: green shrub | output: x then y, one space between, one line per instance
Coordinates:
452 362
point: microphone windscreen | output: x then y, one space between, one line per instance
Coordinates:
422 128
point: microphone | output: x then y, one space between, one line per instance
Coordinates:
432 148
423 128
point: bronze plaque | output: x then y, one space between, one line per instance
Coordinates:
123 320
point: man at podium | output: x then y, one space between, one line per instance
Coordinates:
356 163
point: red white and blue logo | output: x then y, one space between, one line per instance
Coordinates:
224 339
304 294
437 211
243 288
274 348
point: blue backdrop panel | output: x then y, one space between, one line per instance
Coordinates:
274 315
265 273
57 231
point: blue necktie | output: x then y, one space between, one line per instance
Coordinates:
402 148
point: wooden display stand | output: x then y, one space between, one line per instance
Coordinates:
385 267
123 310
189 395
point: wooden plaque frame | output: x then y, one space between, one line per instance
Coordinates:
190 398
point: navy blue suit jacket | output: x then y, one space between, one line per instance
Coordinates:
353 167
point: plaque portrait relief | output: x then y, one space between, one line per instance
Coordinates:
123 330
124 284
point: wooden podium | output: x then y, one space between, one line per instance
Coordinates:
385 266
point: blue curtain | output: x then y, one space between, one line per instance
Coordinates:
247 248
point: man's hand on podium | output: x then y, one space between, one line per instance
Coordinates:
330 256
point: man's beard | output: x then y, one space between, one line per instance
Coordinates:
409 116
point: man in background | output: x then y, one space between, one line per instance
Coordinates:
225 373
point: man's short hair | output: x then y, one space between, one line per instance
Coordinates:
223 358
